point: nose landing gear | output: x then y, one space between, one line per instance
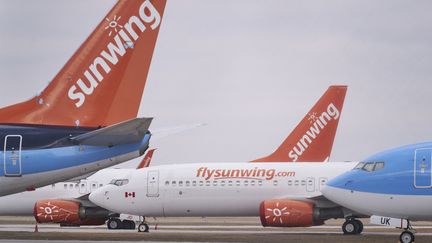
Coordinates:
407 236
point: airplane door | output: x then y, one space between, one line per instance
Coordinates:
422 168
153 183
310 184
322 182
12 155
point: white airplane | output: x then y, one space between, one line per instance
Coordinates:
282 194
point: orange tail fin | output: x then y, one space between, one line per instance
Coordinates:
312 139
103 82
146 160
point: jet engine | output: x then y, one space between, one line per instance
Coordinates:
291 213
68 213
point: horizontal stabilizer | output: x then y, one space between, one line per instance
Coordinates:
131 131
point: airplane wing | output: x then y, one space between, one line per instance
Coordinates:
131 131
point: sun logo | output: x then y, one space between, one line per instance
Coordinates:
277 213
113 24
312 117
51 211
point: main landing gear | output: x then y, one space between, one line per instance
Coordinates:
407 236
352 226
115 223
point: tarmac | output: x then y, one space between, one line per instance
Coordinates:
13 229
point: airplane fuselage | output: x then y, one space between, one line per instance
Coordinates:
216 189
396 183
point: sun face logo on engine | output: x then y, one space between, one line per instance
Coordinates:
124 37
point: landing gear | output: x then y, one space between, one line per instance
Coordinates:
115 224
407 236
352 226
128 224
143 227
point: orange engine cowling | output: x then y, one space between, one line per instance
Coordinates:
287 213
57 211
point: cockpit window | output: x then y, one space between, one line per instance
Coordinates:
369 166
379 165
119 182
359 166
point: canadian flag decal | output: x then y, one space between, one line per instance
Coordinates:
129 194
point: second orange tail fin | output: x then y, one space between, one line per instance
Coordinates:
146 160
103 82
312 139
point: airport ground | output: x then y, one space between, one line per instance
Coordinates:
20 229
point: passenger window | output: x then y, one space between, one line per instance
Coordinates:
201 183
101 185
166 183
70 186
76 186
187 183
246 183
215 183
259 183
275 183
296 183
53 186
230 183
252 183
289 182
303 182
173 183
222 183
93 185
194 183
180 183
65 186
207 183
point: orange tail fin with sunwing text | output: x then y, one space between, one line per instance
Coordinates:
103 82
312 139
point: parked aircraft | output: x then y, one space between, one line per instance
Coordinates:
395 183
282 194
82 121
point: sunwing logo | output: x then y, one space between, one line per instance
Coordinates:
124 39
318 124
255 173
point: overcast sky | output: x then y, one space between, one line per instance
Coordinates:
249 69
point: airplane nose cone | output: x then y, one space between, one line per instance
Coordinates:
99 197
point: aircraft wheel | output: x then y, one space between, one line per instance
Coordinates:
143 227
360 228
350 227
114 223
406 237
128 224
